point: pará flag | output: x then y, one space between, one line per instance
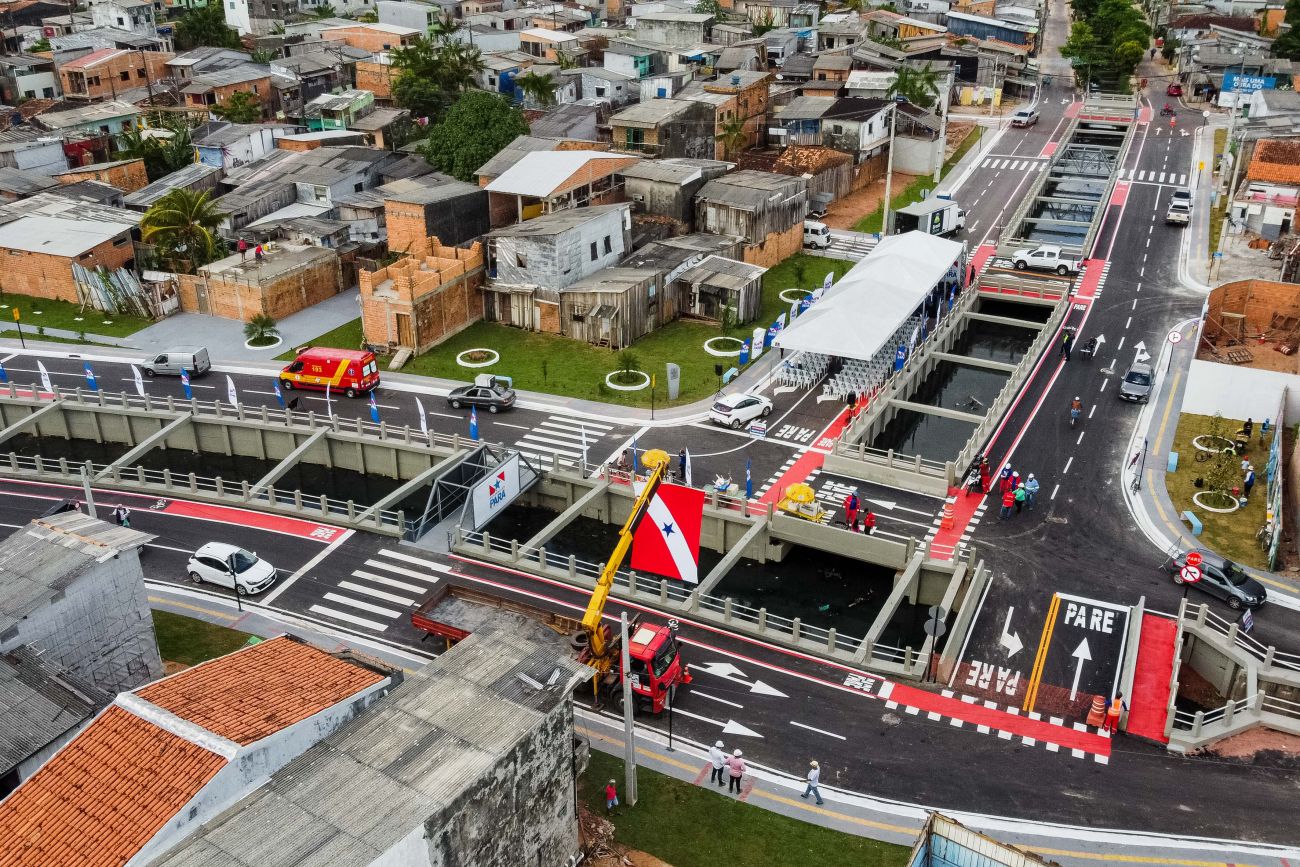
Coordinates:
45 377
473 423
185 384
279 395
4 374
374 409
90 378
667 541
749 478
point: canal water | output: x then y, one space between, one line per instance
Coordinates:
934 437
961 387
994 341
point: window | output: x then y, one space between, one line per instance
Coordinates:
521 261
121 22
122 241
142 73
600 90
255 89
593 251
31 94
357 188
125 75
609 248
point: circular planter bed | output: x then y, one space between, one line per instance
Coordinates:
644 381
723 353
255 344
1216 501
478 357
1213 444
799 295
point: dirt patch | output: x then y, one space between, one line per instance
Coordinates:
170 668
1258 740
596 834
957 132
846 212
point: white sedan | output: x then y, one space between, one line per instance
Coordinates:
231 566
737 410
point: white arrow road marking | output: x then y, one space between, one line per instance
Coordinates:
891 506
1010 640
700 694
1141 352
730 727
727 671
1101 338
1081 654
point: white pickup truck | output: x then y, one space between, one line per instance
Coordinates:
1047 257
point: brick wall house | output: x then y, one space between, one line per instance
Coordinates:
127 175
422 299
37 252
377 78
101 74
375 38
290 278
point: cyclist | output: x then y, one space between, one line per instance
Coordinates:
1076 407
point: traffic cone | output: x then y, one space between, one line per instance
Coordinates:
1097 715
947 520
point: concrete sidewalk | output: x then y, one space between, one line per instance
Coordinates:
770 789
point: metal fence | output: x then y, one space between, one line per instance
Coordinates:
724 610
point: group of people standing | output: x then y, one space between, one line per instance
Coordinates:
732 765
1016 493
856 518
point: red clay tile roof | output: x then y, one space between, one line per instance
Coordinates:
104 796
1275 160
259 690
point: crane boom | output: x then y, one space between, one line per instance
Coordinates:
592 618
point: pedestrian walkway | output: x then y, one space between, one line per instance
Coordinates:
1149 703
1013 164
10 329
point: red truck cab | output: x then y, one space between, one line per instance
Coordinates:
350 371
656 662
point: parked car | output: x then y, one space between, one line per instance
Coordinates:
1174 89
737 410
1025 117
1047 257
1135 387
1222 579
192 359
231 566
487 392
816 235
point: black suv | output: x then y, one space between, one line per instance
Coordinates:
1221 578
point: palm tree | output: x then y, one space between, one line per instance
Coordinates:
732 136
261 330
919 86
537 87
183 225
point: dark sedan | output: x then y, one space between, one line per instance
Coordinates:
493 398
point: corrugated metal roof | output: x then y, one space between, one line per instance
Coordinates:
542 173
726 273
38 705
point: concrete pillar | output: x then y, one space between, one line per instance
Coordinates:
762 619
573 566
1269 653
171 403
796 627
270 494
264 418
167 477
514 549
324 505
297 498
40 464
1229 711
663 590
907 657
726 610
830 640
194 483
63 466
243 489
221 487
487 541
352 510
1197 721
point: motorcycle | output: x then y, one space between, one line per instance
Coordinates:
1090 348
1167 111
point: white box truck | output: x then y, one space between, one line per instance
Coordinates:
937 215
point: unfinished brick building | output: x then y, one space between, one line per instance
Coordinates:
289 279
422 299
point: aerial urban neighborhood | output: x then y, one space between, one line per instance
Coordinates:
649 433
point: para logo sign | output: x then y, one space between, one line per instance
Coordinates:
496 491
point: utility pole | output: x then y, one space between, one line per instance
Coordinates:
629 732
889 169
85 486
943 127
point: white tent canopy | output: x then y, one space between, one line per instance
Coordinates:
862 311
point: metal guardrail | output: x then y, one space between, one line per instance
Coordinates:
727 610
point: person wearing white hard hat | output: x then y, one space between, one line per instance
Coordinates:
736 770
719 760
814 777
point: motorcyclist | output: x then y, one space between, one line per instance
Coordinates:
1090 347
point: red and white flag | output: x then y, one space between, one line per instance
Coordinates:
667 541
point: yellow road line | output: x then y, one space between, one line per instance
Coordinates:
911 830
1169 405
158 600
1040 658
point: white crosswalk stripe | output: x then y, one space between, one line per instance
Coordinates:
417 561
364 606
390 582
561 435
374 592
378 594
349 618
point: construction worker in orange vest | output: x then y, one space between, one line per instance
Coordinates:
1113 713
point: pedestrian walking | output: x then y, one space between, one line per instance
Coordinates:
257 253
122 516
814 777
852 401
869 523
1248 482
735 770
681 463
1006 484
986 475
1113 713
1031 492
243 249
1263 430
1067 342
1248 427
1020 496
1015 479
851 506
719 761
1008 503
611 796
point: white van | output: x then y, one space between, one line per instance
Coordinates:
193 359
816 235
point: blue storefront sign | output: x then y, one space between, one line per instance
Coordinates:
1234 82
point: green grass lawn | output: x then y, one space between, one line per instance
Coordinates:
1221 209
557 365
914 191
1232 535
690 826
38 312
189 641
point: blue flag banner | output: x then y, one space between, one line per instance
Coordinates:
90 378
749 478
4 374
279 396
900 357
374 409
744 353
185 384
473 423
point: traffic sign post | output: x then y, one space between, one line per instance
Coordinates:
1194 558
19 323
1190 573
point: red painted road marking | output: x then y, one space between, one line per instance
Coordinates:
1088 285
1149 702
955 708
1119 195
1049 149
963 510
810 460
1145 114
234 515
1072 110
983 255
